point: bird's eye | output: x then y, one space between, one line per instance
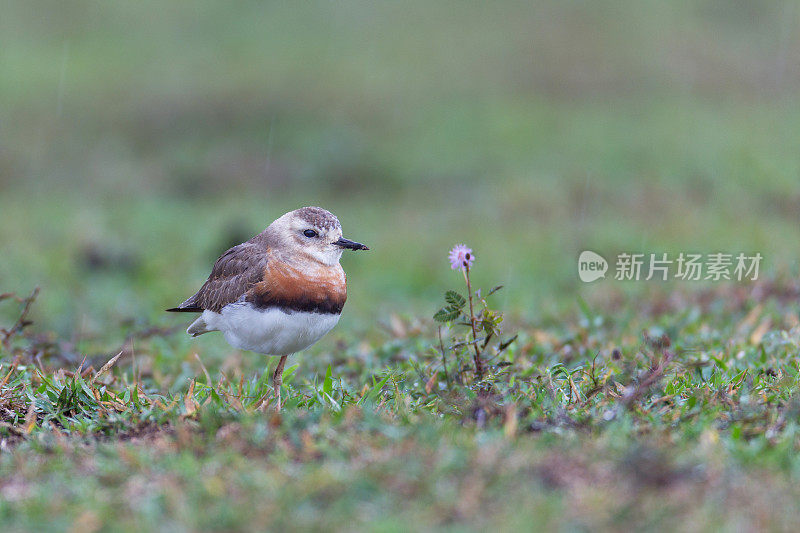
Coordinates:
310 233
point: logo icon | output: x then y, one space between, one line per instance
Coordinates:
591 266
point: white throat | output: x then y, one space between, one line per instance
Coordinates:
329 257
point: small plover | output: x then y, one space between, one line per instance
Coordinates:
279 292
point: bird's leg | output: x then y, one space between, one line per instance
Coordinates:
277 380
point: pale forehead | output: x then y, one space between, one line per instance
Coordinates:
318 217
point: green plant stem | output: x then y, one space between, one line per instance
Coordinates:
478 361
444 359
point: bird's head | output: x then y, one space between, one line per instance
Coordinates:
312 232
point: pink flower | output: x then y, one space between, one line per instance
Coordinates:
461 257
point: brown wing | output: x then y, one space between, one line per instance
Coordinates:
234 273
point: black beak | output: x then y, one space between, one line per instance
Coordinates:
350 245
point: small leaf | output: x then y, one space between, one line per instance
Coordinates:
30 419
327 385
490 320
377 388
446 314
430 383
288 374
188 401
507 343
454 299
494 290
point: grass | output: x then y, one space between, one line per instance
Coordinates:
595 421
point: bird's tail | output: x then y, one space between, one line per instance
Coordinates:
198 327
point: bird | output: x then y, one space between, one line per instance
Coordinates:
278 293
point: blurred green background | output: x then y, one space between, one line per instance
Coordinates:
138 140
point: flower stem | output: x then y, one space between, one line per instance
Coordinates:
472 320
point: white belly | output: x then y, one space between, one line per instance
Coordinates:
269 331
